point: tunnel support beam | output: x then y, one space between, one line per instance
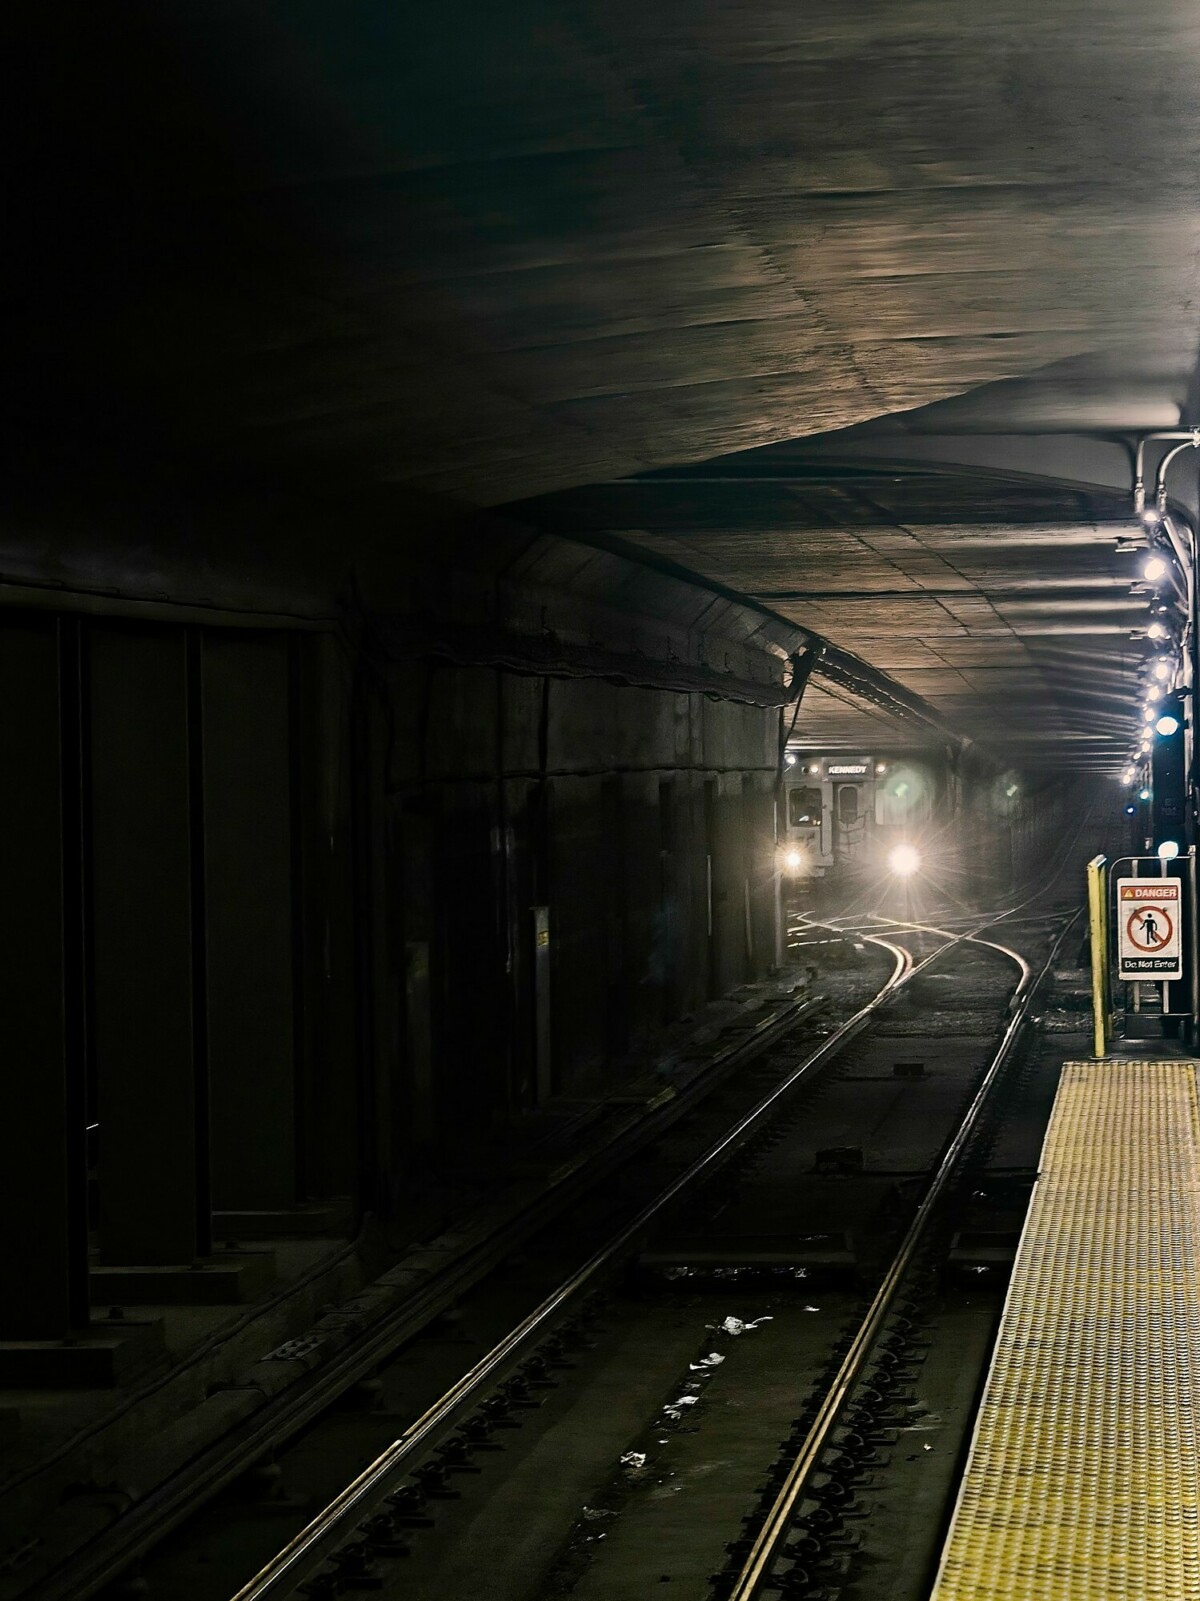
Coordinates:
42 1131
248 743
150 1145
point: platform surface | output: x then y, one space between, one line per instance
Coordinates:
1083 1480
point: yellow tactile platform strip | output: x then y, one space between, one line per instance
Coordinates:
1083 1481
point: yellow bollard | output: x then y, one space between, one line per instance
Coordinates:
1097 882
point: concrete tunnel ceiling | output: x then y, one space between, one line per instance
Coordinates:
513 256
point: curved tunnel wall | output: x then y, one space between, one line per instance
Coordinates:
291 920
270 925
641 820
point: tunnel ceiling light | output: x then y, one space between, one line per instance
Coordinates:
1168 850
1154 692
904 860
1162 669
1154 568
1157 630
1167 725
1148 714
1143 793
1127 776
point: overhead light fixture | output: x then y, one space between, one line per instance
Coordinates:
1162 669
1127 776
1167 725
1157 630
1168 850
1148 714
1154 568
1143 793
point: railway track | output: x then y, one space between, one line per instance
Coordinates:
482 1475
716 1080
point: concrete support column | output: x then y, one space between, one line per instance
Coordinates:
251 953
729 887
41 1132
759 812
325 920
151 1151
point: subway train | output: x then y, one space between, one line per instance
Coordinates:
843 814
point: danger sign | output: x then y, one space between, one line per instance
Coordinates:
1148 917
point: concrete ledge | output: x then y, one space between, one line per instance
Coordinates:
103 1354
330 1218
227 1280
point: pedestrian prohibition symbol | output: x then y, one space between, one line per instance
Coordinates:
1148 943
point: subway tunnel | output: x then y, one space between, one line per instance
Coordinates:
511 519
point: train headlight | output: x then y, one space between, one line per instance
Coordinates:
904 861
793 859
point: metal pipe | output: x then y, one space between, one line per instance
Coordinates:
1160 483
1191 435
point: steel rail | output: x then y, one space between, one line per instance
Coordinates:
974 939
310 1546
777 1525
280 1418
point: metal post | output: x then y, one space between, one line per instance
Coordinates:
1098 921
1193 953
1106 925
1135 987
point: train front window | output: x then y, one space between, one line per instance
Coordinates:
848 803
804 808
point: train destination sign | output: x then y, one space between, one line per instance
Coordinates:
1148 928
